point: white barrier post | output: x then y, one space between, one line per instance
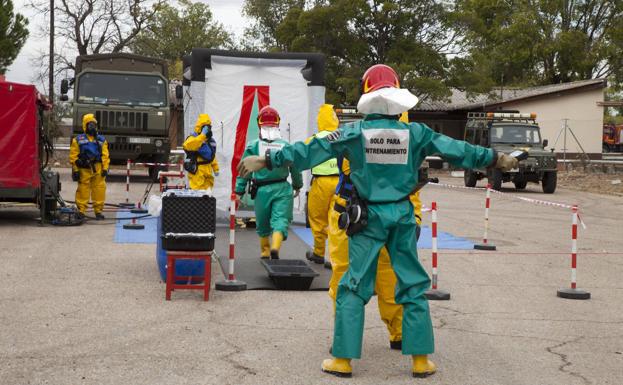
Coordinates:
231 283
574 292
127 203
485 245
435 294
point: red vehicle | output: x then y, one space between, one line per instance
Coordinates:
25 149
612 138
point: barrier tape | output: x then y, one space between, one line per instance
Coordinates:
505 195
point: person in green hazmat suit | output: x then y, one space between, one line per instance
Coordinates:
385 155
270 188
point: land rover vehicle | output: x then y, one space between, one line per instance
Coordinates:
507 132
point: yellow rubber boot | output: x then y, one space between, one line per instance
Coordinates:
276 246
422 366
338 367
265 247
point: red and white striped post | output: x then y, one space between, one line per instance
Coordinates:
127 203
231 283
134 225
574 292
485 245
435 294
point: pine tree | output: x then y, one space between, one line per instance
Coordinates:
13 34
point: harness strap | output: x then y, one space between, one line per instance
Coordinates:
260 183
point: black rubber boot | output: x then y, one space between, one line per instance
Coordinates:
314 258
274 254
100 216
395 345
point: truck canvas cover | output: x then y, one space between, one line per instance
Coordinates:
19 140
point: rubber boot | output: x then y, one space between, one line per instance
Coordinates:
338 367
395 345
99 216
274 249
264 247
311 256
422 366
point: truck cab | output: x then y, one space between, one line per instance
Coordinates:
129 96
507 132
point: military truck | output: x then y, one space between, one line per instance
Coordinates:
506 132
129 95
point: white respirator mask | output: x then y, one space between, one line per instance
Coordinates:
387 101
270 133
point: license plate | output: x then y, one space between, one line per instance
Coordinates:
139 140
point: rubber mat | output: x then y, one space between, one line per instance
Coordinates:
147 235
247 264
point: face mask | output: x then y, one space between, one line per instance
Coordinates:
91 129
270 133
387 101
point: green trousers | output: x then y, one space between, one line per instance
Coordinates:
393 225
273 209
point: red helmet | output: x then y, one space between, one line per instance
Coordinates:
379 76
268 116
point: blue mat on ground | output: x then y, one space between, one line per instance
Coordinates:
147 235
444 240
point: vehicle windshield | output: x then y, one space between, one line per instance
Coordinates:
125 89
515 134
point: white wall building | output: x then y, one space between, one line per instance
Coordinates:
575 103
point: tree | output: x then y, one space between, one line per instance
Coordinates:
174 33
409 35
13 34
527 42
268 16
97 26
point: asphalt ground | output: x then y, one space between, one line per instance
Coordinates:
76 308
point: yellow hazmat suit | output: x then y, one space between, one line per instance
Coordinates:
324 182
202 143
89 158
391 313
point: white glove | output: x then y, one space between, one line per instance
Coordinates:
251 164
506 162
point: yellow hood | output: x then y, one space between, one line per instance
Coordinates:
404 117
87 118
327 119
202 120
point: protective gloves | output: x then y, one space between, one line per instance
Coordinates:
216 173
251 164
207 131
75 176
296 193
506 162
104 173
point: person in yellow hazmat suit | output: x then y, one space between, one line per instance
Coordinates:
89 158
325 178
200 148
391 313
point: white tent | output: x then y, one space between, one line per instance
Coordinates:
231 86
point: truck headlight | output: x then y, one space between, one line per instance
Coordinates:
158 143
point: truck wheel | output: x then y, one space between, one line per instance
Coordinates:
470 178
549 181
496 179
520 185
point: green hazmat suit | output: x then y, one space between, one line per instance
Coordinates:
274 201
384 156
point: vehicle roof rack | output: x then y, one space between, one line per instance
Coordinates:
503 116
